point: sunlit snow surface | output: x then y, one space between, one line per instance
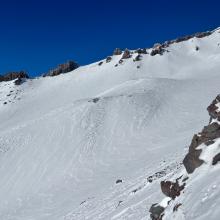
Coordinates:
62 150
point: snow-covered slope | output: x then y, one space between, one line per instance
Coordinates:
66 140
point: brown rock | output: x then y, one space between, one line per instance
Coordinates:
171 189
62 68
206 136
126 54
212 109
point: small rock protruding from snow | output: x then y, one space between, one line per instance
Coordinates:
216 159
118 181
100 63
137 58
108 59
156 211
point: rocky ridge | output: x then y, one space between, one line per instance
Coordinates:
19 76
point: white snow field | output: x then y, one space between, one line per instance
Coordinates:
62 150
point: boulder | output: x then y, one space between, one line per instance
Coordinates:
171 189
156 211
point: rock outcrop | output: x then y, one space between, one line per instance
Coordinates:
14 75
157 49
141 51
126 54
206 136
187 37
62 68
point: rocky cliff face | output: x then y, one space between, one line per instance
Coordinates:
62 68
201 143
207 137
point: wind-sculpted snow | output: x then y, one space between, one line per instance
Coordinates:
66 140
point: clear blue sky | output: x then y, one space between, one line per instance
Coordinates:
37 35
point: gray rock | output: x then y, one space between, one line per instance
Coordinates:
156 211
108 59
216 159
137 58
141 51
